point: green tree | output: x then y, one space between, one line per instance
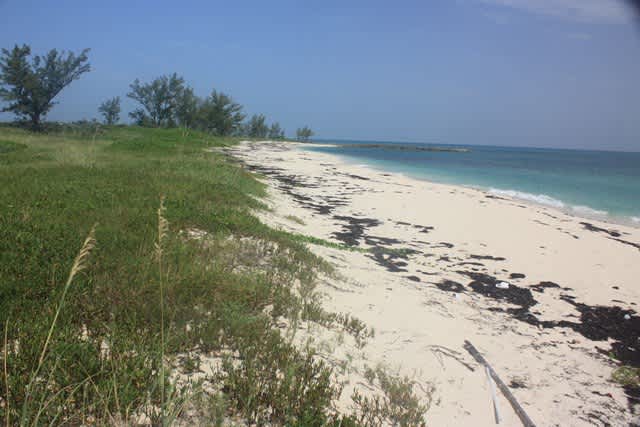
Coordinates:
110 110
220 115
276 132
31 86
257 126
187 105
158 99
304 134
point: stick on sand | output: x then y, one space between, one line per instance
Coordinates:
494 398
526 421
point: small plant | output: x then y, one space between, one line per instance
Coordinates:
397 406
295 219
355 327
30 415
627 376
275 383
323 242
163 230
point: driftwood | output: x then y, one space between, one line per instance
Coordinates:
526 421
494 398
439 351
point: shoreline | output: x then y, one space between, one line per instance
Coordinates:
433 254
576 210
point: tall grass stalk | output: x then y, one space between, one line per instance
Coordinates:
79 264
163 228
7 408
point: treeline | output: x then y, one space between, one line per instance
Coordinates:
30 85
167 101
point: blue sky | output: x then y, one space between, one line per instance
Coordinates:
548 73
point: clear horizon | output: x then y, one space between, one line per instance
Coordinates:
519 73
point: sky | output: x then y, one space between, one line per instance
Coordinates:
542 73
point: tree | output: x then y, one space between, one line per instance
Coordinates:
187 105
158 100
110 110
220 115
31 86
276 132
257 126
304 134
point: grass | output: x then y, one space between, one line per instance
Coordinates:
295 219
396 404
627 376
8 146
92 336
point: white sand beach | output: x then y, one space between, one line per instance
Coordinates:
544 335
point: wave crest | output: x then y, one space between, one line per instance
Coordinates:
586 210
543 199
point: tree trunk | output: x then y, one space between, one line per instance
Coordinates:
35 122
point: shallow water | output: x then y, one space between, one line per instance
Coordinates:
601 184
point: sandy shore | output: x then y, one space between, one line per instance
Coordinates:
573 287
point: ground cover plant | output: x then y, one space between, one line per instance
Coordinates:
103 285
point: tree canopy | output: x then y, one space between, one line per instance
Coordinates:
220 115
187 105
276 132
110 110
29 87
257 126
304 134
158 100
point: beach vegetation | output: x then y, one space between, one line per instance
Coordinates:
157 99
110 110
219 115
627 376
295 219
30 85
396 402
187 107
105 329
257 126
304 134
275 131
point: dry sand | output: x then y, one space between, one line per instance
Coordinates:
547 342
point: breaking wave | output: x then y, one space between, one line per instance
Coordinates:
543 199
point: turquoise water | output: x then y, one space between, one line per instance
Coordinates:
601 184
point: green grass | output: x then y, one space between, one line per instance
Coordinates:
54 189
94 343
295 219
627 376
8 146
303 238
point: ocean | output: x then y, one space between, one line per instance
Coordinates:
595 184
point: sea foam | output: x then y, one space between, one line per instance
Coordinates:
585 210
542 199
